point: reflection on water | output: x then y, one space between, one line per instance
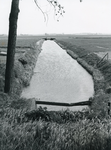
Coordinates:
58 77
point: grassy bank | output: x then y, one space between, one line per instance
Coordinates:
100 73
22 129
23 71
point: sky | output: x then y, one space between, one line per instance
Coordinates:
88 16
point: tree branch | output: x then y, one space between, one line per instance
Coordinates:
58 9
45 18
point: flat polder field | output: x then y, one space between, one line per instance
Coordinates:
99 44
93 43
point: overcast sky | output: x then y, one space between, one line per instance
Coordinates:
88 16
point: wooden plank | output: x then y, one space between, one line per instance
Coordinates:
63 104
3 54
102 59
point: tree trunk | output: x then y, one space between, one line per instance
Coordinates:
11 45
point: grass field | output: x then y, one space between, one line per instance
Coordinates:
22 41
22 129
23 44
98 44
90 43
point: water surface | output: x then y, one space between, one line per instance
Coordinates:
59 78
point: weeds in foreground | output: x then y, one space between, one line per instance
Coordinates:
19 133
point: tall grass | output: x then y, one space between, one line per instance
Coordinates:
19 133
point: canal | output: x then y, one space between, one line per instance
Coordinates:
59 78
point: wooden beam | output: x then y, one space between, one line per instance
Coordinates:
63 104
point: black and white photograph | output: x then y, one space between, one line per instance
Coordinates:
55 75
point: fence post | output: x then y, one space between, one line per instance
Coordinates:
109 104
109 143
109 108
35 105
106 55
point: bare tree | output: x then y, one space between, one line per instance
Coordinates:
58 9
12 39
11 45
